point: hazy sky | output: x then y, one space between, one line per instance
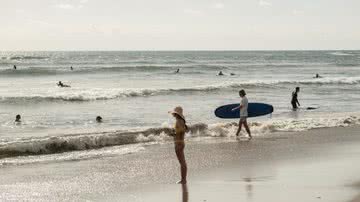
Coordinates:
179 24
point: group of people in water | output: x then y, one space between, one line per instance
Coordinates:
222 74
98 119
219 74
181 128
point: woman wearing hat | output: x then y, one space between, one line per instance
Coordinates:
180 129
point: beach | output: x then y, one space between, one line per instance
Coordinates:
316 165
144 101
59 152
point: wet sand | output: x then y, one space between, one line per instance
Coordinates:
316 165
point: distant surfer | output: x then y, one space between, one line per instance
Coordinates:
15 67
220 73
243 113
71 68
18 118
317 76
180 129
60 84
177 71
232 74
294 99
99 119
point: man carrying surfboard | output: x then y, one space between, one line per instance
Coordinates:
243 113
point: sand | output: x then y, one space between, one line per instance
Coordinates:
316 165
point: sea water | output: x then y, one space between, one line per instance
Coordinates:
133 92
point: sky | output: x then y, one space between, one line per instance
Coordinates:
179 25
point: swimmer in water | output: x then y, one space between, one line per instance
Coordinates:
18 118
99 119
60 84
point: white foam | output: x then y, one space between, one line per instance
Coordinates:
290 125
72 156
85 94
340 53
69 147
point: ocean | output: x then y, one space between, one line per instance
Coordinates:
134 90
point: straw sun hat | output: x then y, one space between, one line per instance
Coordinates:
179 111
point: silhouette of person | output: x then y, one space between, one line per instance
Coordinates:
99 119
18 118
294 98
60 84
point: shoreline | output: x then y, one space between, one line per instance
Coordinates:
270 167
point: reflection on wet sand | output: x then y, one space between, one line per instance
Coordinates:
249 188
185 193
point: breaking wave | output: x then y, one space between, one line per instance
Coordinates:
81 94
341 54
91 141
28 57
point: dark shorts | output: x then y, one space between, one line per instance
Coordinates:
294 105
243 118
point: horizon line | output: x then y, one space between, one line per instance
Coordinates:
181 50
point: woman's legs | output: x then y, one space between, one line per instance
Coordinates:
179 150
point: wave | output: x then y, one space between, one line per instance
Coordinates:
325 80
28 72
193 68
36 71
341 54
81 94
23 57
96 141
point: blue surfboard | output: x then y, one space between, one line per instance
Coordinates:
254 109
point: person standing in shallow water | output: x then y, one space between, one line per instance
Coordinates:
294 99
243 113
180 129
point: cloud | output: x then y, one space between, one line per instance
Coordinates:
192 11
65 6
19 11
297 12
38 22
264 3
218 6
